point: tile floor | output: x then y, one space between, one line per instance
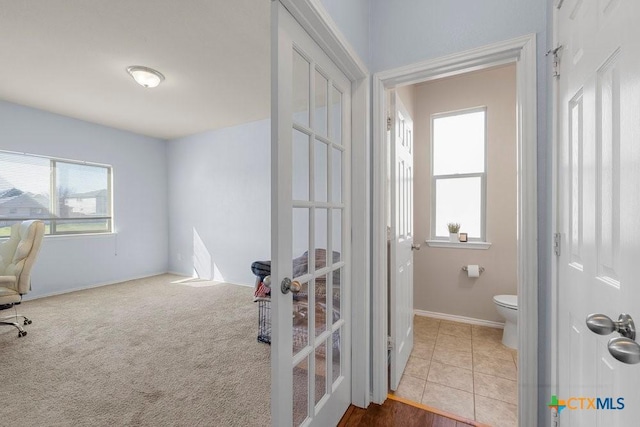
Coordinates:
464 370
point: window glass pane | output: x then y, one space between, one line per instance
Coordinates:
83 190
24 187
458 143
81 202
459 200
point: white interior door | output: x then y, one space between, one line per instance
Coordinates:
311 329
401 245
599 199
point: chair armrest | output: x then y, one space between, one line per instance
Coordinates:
8 282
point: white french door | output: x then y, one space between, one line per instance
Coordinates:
401 245
311 129
599 174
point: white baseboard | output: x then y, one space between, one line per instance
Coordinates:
176 273
95 285
461 319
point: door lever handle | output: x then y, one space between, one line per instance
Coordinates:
415 246
603 325
625 350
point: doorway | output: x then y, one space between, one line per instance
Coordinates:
461 131
521 52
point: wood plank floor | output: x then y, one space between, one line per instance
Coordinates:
397 412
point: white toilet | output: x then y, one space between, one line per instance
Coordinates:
507 306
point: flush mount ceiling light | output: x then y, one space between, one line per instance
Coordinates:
145 76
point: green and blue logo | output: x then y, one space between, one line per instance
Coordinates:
586 403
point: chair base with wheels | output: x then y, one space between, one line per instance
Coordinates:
17 256
16 323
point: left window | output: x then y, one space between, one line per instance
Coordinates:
70 197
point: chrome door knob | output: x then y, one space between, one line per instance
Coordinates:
625 350
289 285
415 246
603 325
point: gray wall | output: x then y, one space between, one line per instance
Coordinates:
440 285
352 18
219 202
139 247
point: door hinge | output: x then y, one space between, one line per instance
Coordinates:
556 60
388 123
557 239
555 421
389 343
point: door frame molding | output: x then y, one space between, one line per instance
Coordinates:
522 51
316 21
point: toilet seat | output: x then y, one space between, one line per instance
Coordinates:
507 301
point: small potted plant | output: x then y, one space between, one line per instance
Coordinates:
454 228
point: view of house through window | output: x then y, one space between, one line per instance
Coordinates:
458 171
70 197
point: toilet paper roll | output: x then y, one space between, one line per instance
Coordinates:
473 270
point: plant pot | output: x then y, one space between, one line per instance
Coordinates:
453 237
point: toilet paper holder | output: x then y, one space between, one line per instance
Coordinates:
464 268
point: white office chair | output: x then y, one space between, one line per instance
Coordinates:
17 257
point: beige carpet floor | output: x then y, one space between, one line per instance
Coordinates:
147 352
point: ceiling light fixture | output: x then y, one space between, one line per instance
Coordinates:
145 76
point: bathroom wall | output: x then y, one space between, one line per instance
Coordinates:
408 98
439 283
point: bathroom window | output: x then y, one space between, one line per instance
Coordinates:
458 172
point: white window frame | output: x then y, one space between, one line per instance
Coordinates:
54 201
482 176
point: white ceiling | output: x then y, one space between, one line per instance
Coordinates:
70 57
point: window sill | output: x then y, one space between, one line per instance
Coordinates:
458 245
84 235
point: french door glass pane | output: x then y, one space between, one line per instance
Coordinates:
335 357
336 291
321 372
301 392
301 319
320 171
459 200
300 89
300 244
336 239
300 170
321 238
336 116
336 175
320 125
321 304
